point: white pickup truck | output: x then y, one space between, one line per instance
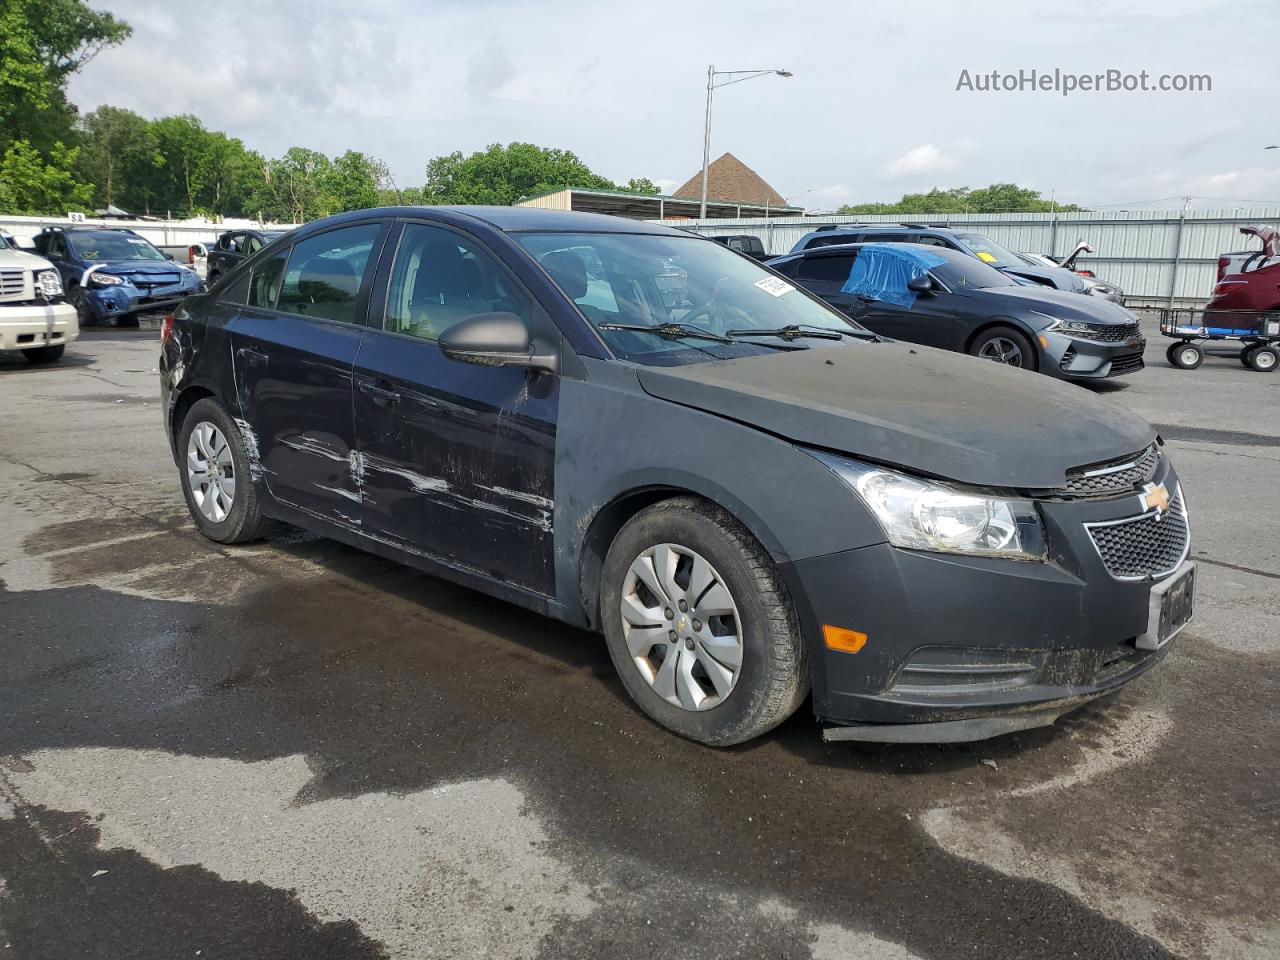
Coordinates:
33 316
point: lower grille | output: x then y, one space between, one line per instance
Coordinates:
1145 547
1129 363
12 283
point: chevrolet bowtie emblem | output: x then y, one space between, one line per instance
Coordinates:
1155 496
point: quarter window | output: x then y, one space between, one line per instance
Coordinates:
324 273
440 278
265 286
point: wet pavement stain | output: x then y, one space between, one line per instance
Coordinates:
387 680
53 907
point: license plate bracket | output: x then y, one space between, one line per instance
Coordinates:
1170 608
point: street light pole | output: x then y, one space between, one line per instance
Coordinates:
706 142
739 76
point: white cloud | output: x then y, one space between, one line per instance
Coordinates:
926 158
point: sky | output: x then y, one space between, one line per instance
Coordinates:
872 111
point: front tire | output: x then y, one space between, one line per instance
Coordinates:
217 476
1005 345
84 314
699 625
45 354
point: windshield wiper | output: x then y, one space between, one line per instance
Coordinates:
675 331
794 331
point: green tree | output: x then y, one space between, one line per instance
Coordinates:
295 188
30 185
640 185
117 153
184 146
42 43
997 198
353 181
502 175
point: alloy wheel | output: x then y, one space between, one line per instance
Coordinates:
211 471
681 627
1002 350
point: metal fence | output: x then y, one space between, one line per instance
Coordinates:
1158 259
162 233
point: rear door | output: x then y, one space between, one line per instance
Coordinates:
294 347
825 275
457 459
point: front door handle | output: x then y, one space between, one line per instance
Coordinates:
379 392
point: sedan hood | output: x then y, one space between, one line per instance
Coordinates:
1058 277
928 411
1064 306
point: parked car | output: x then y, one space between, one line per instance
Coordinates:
112 272
1249 280
34 318
234 246
1092 285
1238 261
744 243
751 495
943 298
194 255
974 244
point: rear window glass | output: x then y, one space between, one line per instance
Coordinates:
265 286
325 273
831 269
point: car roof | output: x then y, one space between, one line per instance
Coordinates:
835 249
516 219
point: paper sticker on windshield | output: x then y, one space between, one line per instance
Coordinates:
774 286
986 257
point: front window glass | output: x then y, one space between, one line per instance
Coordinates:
440 278
642 280
325 272
100 247
987 250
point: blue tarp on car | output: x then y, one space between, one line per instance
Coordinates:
882 272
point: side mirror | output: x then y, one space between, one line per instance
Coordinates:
494 340
921 284
168 256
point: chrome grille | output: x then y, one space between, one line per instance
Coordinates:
1114 477
1145 547
12 282
1111 333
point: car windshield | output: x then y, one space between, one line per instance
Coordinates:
988 251
113 246
644 280
965 273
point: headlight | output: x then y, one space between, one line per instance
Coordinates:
925 515
49 284
104 279
1066 326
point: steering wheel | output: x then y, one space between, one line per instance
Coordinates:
719 316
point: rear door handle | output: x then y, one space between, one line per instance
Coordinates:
379 392
253 356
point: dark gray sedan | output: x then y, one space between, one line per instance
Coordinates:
756 500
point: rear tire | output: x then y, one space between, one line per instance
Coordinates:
45 354
718 565
1244 354
1263 359
1185 356
221 450
1007 343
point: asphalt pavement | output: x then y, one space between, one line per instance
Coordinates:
293 749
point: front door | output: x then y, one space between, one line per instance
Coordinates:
294 347
457 460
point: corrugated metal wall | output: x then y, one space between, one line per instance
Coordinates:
161 233
1156 258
